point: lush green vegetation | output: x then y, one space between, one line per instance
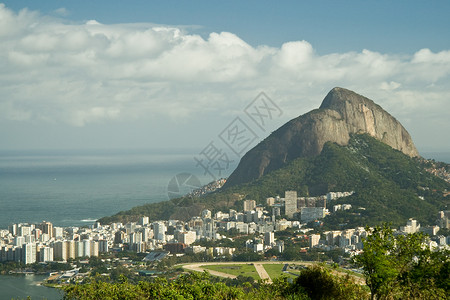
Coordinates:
386 182
401 267
274 270
394 267
314 283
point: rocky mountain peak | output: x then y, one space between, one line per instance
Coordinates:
362 115
342 113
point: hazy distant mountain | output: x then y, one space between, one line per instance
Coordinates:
341 114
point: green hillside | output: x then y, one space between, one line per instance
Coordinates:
387 184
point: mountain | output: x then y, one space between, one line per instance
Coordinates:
348 144
389 186
341 114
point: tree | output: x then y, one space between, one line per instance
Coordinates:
378 265
318 283
400 266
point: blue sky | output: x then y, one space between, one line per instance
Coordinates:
331 26
149 74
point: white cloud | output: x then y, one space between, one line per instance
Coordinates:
62 11
56 71
392 85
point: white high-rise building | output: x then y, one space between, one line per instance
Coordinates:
412 226
143 221
71 249
29 253
309 214
19 241
206 214
249 205
29 239
46 254
344 241
45 237
209 229
58 232
269 238
130 227
188 237
87 248
13 229
314 240
147 234
79 249
280 246
135 237
37 233
103 246
140 247
159 230
24 230
93 248
290 203
60 250
47 228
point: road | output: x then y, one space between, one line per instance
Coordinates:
198 267
262 272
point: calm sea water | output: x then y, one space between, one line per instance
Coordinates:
438 156
19 287
76 188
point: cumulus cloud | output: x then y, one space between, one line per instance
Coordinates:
82 73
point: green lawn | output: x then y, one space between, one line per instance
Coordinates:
275 270
244 270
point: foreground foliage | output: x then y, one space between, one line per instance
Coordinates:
402 267
313 283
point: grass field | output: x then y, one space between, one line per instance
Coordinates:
275 270
244 270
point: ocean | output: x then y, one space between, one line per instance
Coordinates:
438 156
22 286
75 188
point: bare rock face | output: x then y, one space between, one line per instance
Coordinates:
341 114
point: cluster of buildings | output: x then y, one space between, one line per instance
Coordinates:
307 209
351 239
437 169
29 243
209 188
